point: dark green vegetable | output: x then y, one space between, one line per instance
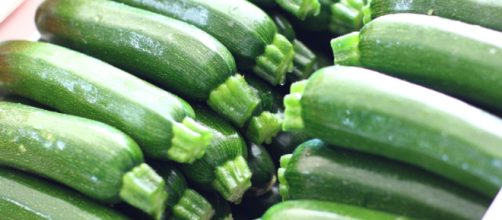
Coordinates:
263 169
220 205
223 168
171 53
183 202
88 156
67 81
243 28
399 120
28 197
299 8
285 143
481 12
253 207
460 59
322 172
309 209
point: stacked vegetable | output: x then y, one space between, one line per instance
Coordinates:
180 109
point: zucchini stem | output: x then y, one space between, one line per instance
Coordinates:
144 189
189 142
293 110
192 205
283 183
346 16
367 17
234 99
304 62
301 8
276 60
233 178
346 49
264 127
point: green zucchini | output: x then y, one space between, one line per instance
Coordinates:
65 80
183 202
88 156
267 121
307 209
243 28
253 207
480 12
263 170
304 60
399 120
450 56
369 181
301 9
221 207
168 52
28 197
285 143
223 168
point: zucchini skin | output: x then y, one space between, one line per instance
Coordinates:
399 120
29 197
169 52
226 154
67 81
261 165
30 136
221 207
481 12
242 27
449 56
309 209
369 181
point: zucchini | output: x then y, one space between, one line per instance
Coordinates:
223 168
28 197
399 120
88 156
243 28
307 209
183 202
171 53
263 170
304 60
480 12
450 56
65 80
301 9
369 181
285 143
267 121
253 207
221 207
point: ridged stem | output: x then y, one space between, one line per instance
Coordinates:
189 142
276 60
304 61
293 110
234 99
346 49
347 16
283 183
367 13
144 189
233 178
192 206
264 127
301 8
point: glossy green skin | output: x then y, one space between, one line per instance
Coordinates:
321 172
263 169
143 111
308 209
284 27
31 198
482 12
171 53
406 122
88 156
457 58
242 27
227 144
285 143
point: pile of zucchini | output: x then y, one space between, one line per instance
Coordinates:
218 109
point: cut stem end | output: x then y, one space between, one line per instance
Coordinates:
192 205
277 59
189 142
346 49
293 120
233 178
264 127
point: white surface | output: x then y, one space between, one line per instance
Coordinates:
495 210
7 7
